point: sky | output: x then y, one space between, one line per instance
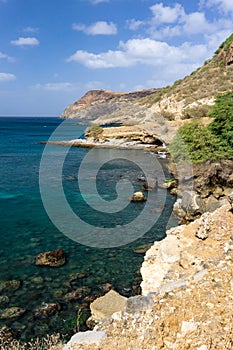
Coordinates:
53 51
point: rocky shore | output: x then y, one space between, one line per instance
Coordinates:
186 300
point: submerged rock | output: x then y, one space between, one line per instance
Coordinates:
9 286
13 312
48 309
53 258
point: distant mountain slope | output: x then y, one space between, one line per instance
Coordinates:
186 98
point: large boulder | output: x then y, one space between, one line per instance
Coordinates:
106 306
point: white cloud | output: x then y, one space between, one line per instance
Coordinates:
97 28
196 23
223 5
172 21
134 24
30 41
109 59
31 30
6 57
7 77
142 51
98 1
167 14
54 86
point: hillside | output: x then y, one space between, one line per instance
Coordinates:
186 98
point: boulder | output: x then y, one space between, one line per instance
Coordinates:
54 258
106 306
192 203
138 197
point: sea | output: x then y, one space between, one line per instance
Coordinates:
104 245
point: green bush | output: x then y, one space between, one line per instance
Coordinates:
199 143
222 126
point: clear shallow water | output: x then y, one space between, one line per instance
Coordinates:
26 229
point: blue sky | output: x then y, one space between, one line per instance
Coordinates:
53 51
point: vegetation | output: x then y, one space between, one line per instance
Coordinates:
222 126
214 77
52 342
225 45
215 141
199 111
94 131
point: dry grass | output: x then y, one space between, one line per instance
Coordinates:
52 342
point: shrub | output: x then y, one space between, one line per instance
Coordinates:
222 126
196 143
94 131
196 112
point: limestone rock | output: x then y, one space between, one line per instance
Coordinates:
138 197
85 338
169 250
107 305
53 258
204 226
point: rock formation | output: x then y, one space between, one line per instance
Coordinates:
187 287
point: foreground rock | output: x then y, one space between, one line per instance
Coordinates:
106 306
187 292
85 338
53 258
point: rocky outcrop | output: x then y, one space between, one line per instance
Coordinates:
182 253
187 287
108 107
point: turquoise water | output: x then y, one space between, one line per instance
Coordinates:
26 229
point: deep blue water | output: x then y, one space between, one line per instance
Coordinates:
26 229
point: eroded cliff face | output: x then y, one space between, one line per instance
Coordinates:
108 107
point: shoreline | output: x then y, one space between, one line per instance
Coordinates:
114 143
